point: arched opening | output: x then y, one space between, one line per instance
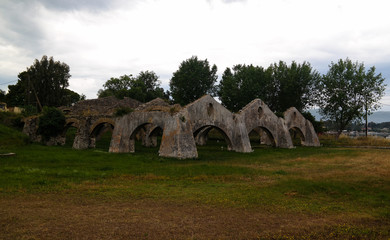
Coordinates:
297 137
100 136
212 137
261 137
260 111
210 109
69 134
152 136
146 138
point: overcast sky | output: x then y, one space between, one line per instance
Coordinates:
100 39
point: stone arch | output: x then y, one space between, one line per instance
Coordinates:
266 136
206 111
99 122
69 123
151 134
297 132
295 121
98 128
257 114
147 128
202 132
72 122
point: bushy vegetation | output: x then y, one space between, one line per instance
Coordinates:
121 111
12 120
51 123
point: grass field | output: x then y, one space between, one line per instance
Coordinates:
301 193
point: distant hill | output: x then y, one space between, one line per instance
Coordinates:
376 117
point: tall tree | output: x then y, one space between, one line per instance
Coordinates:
373 91
45 82
144 87
192 80
293 85
346 90
280 86
2 96
240 86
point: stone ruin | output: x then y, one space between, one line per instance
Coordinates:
182 128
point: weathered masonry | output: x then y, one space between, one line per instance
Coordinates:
182 128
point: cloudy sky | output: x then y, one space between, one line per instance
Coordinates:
100 39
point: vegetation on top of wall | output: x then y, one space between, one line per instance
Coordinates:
51 122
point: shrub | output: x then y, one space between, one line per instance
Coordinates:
121 111
51 123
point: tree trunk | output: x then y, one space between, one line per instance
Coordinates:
366 120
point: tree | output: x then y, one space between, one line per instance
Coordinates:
2 96
117 87
241 86
51 122
42 83
373 91
144 87
293 86
280 86
192 80
346 90
71 97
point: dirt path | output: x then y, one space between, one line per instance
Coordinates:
68 217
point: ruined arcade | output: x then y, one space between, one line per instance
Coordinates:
182 128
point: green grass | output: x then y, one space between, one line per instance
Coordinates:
272 178
327 181
10 139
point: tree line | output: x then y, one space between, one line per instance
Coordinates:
346 93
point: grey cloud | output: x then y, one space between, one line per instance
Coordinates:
69 5
19 26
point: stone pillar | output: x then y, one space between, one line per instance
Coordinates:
178 140
82 138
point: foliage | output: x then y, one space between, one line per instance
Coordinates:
16 94
280 86
346 90
71 97
144 87
294 85
46 80
244 84
192 80
121 111
29 110
2 96
51 122
11 119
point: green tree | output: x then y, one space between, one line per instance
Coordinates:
144 87
347 90
71 97
373 91
280 86
43 83
241 86
16 95
51 123
192 80
2 96
294 86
